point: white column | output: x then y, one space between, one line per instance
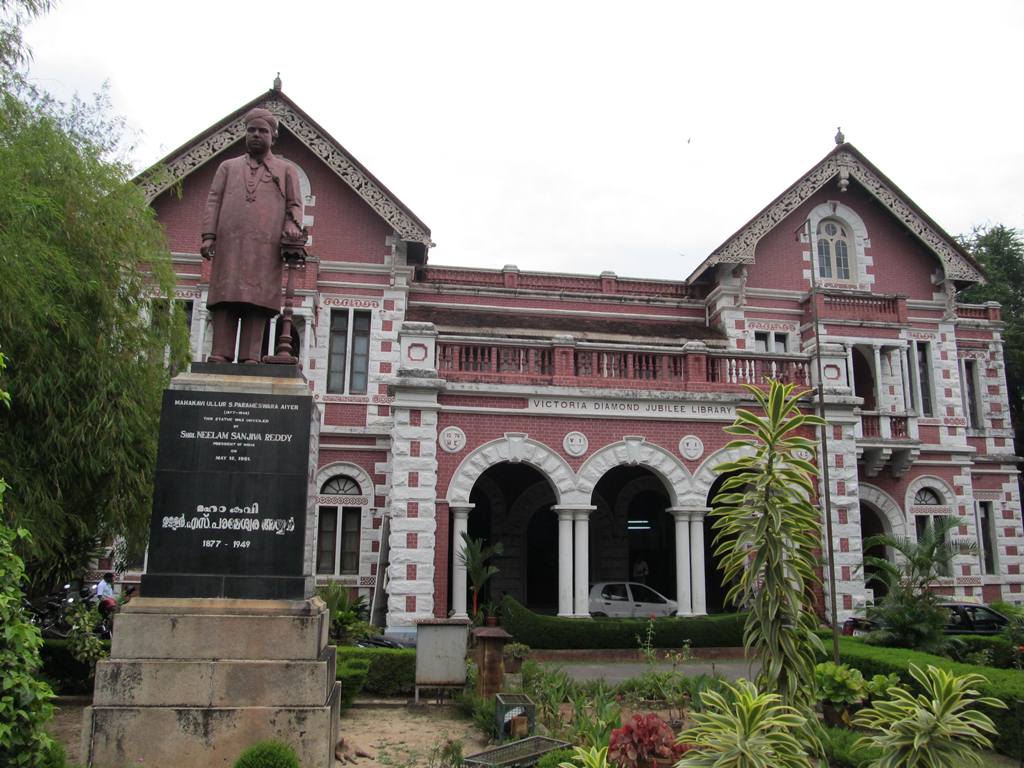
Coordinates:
564 560
683 577
272 341
581 540
460 525
905 375
849 367
884 427
203 318
962 365
698 595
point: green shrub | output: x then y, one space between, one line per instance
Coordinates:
839 748
63 671
1004 684
993 651
268 754
724 630
352 674
392 671
553 758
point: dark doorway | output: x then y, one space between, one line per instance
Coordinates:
632 537
863 380
871 525
513 506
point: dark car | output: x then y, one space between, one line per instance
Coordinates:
964 619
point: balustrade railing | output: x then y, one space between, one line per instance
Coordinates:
756 369
855 307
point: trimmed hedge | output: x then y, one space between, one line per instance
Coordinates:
1005 684
352 674
391 671
1000 648
66 675
551 632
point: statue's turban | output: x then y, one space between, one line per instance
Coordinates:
258 113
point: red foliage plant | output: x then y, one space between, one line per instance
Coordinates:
641 740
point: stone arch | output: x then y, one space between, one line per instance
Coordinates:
893 517
706 475
357 473
514 447
938 485
636 451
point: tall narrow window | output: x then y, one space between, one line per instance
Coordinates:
360 353
337 352
971 403
925 377
986 527
761 341
349 352
834 250
327 529
350 524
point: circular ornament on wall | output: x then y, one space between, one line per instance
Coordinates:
691 447
452 439
575 443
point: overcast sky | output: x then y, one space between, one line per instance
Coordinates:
583 136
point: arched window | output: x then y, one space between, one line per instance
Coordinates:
926 496
338 530
925 524
835 246
340 485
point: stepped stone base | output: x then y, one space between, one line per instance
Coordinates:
196 682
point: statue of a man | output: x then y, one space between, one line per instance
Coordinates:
254 202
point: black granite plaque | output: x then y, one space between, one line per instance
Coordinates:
229 502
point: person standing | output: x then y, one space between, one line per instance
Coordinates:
254 202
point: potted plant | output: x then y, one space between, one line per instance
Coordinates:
842 690
643 742
515 654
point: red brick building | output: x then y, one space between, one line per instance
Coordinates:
577 419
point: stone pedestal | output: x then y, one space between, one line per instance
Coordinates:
490 644
195 682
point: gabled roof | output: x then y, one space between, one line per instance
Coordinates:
846 162
218 137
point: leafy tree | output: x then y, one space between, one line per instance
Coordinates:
1000 250
910 615
13 53
81 256
767 535
476 557
25 701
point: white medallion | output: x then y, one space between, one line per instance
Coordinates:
575 443
691 447
452 439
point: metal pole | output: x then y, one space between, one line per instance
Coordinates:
823 463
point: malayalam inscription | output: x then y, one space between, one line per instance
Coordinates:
231 484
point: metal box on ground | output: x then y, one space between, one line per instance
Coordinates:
441 654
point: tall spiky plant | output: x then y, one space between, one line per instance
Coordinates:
767 536
476 557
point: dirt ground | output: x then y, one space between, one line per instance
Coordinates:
394 736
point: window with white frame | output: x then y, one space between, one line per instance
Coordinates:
338 530
931 523
835 251
924 378
771 341
348 356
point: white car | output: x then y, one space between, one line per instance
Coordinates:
629 599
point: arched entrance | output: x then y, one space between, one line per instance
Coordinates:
512 505
632 537
871 524
863 380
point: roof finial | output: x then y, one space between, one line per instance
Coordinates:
839 135
277 82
